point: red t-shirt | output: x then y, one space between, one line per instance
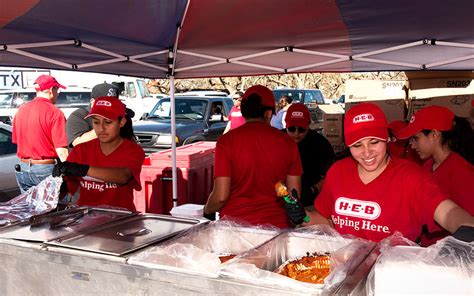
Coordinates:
455 177
235 117
39 128
402 198
401 150
256 156
96 192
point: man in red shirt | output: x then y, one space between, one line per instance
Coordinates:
235 116
39 130
250 160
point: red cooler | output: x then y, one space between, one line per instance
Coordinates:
195 169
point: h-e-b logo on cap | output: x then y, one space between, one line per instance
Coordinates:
366 117
297 114
104 103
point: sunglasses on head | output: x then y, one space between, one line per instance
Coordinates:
293 129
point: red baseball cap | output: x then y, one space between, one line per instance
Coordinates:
109 107
298 115
46 82
429 118
396 126
268 99
365 120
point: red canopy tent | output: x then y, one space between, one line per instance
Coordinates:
211 38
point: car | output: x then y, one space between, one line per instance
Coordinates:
198 118
68 100
8 185
341 100
203 93
310 97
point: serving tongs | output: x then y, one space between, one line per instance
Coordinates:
59 219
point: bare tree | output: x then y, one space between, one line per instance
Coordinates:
331 84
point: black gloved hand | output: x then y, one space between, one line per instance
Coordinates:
70 169
211 217
295 212
464 233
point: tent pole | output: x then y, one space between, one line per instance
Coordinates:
173 144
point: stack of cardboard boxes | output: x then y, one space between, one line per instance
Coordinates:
332 123
400 99
388 95
454 90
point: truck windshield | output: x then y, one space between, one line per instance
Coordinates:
73 99
185 108
296 95
307 97
6 100
65 98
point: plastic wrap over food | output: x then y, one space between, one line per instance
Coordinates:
37 200
202 249
331 258
446 268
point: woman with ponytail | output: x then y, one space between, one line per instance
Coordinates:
446 143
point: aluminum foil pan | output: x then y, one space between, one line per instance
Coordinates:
258 266
202 250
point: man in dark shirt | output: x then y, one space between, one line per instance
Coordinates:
78 129
316 153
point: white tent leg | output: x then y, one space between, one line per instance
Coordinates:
174 180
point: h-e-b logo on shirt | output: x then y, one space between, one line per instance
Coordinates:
357 208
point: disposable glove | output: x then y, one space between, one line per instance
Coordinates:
70 169
211 217
295 212
464 233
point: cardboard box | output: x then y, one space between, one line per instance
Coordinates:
453 93
412 75
332 123
390 95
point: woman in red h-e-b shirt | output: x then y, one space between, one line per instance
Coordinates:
446 142
107 169
373 194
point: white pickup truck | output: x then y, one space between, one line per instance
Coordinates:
134 94
68 100
17 85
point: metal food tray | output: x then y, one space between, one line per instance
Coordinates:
224 240
220 240
91 218
268 257
127 235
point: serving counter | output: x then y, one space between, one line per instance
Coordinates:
93 261
30 268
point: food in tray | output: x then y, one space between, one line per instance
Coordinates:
313 268
226 258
